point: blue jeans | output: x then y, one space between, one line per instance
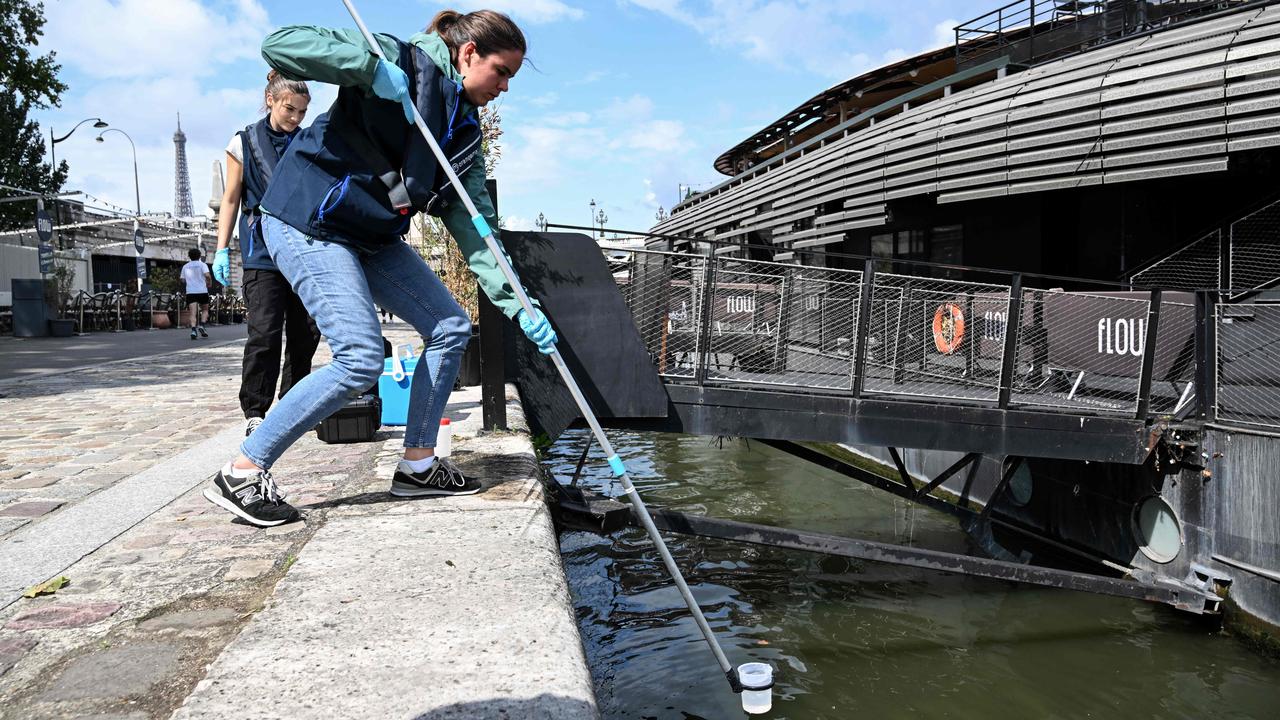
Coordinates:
342 288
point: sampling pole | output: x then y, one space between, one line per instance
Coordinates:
615 462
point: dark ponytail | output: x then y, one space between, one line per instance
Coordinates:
491 32
278 85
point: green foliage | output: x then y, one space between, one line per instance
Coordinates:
61 282
163 279
27 82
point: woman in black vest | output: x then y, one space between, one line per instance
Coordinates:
274 309
334 217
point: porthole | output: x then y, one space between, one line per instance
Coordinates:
1020 484
1157 529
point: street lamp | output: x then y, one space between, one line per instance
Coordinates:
602 219
137 196
541 223
660 215
98 123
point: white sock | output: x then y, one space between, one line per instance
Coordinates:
238 473
417 466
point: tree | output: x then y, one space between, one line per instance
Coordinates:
438 247
27 82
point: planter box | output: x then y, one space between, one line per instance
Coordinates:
160 320
65 327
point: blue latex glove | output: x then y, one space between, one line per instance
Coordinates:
538 330
222 267
390 83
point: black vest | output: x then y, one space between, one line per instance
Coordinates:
331 184
260 160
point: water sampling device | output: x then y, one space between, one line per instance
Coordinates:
615 462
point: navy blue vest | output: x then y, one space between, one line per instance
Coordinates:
259 146
326 187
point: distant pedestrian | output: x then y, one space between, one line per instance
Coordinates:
276 317
385 313
195 278
334 218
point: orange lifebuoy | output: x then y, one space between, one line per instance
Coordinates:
948 328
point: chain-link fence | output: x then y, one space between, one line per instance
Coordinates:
1194 267
737 322
1080 350
1255 251
1248 374
939 338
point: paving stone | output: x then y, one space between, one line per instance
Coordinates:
247 569
115 673
32 509
32 481
12 649
12 474
9 524
190 620
100 479
63 615
225 531
143 542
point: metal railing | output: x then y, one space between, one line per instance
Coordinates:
1035 31
719 320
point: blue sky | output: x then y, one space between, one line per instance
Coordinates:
629 98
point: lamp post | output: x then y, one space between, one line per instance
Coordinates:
137 195
660 215
593 213
98 123
602 219
541 223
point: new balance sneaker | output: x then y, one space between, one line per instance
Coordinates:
251 424
203 334
442 478
255 498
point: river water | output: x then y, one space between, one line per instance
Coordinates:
860 639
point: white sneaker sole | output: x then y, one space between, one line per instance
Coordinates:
217 499
430 493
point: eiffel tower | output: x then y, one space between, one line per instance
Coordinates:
182 205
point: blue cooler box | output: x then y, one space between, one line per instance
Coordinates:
395 393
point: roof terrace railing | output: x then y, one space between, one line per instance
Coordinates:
1035 31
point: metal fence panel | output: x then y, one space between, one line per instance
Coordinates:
1081 351
935 338
1248 374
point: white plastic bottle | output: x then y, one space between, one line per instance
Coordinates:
444 440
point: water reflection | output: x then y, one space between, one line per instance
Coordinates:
850 636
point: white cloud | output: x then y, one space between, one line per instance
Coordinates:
544 100
832 39
516 222
534 11
151 38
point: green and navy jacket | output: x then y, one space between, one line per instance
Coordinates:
325 185
261 147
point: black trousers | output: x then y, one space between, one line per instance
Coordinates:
277 320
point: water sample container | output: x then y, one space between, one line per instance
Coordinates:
757 687
444 439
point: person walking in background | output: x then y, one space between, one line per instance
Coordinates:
195 280
334 218
276 316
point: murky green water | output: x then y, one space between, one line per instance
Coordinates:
860 639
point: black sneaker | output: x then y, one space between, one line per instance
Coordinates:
203 334
442 478
251 424
254 499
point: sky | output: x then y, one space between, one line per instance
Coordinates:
622 102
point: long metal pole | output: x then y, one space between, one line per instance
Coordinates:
614 461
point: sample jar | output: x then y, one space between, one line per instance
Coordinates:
757 687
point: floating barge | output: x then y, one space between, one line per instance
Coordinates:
1031 273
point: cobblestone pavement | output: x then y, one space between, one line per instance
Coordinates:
143 615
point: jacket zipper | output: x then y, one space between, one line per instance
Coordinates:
338 187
